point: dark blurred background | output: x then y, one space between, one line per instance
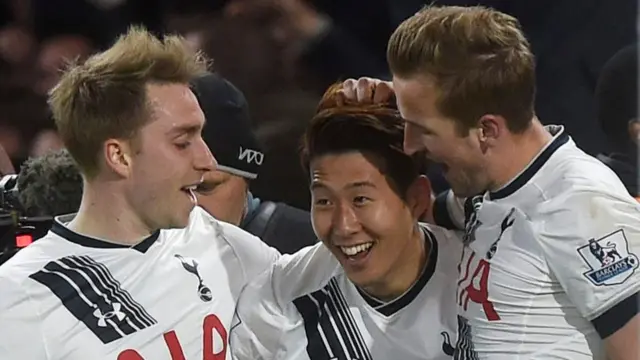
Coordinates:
283 53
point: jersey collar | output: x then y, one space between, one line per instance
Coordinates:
392 307
560 137
59 228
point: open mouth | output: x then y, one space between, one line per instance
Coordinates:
356 252
190 191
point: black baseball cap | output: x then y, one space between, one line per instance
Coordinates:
228 132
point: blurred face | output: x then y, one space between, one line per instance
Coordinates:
427 130
168 158
224 196
361 220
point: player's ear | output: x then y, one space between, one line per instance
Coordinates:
490 128
420 197
634 130
118 156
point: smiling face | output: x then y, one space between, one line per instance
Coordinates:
426 129
167 158
360 218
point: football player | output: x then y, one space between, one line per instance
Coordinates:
139 272
394 296
550 261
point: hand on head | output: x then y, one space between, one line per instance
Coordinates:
367 90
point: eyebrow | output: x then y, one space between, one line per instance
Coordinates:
184 129
353 185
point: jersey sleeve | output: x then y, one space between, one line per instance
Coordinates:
263 322
21 335
591 242
255 256
269 323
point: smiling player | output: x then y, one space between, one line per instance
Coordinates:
394 296
140 272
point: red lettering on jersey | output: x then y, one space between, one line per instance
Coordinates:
175 349
466 274
481 295
130 355
210 324
478 295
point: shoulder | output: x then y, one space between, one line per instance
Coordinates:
35 257
449 241
202 223
573 171
253 254
591 205
579 217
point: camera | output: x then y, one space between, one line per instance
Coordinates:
17 231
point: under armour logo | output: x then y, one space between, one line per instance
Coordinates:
113 314
251 156
191 265
507 222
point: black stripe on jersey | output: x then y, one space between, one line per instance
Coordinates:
92 298
616 317
532 169
318 344
113 285
464 346
331 331
350 323
64 232
392 307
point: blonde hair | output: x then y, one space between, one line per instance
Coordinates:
478 59
105 97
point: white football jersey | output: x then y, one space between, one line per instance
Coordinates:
172 296
339 321
550 261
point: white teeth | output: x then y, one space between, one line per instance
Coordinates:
194 199
354 250
191 188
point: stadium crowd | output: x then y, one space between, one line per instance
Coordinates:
340 180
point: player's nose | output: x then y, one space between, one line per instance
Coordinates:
412 142
344 222
204 159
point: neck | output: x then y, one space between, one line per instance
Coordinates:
518 154
406 272
104 214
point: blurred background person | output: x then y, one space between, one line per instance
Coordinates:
225 192
617 113
282 54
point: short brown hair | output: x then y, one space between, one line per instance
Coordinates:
105 97
375 130
478 58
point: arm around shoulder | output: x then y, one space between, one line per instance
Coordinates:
255 256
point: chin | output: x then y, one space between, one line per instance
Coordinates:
179 222
365 281
364 277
